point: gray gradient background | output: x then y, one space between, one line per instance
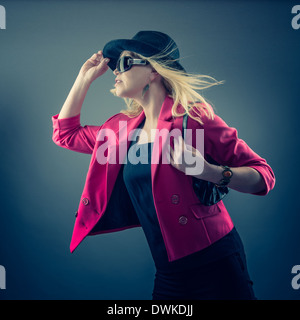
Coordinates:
250 45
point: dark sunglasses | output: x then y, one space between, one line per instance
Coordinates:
126 62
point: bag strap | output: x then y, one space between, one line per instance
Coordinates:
184 125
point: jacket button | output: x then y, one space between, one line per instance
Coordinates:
175 198
183 220
85 201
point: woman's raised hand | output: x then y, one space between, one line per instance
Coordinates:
94 67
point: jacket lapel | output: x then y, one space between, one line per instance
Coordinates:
165 125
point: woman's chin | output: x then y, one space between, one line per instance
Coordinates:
122 94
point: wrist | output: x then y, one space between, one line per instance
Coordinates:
211 172
82 81
219 175
226 176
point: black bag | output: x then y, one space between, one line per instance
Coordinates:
207 192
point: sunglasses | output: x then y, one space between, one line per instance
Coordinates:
126 62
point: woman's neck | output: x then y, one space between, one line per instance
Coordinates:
152 103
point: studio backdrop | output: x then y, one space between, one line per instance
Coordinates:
253 46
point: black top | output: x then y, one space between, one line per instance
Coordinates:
137 178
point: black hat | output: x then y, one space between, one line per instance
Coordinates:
146 43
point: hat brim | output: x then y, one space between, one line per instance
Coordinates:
114 48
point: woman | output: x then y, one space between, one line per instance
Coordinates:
196 249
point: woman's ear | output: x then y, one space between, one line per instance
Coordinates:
154 74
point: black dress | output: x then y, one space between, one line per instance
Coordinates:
216 272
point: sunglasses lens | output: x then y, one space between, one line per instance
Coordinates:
123 64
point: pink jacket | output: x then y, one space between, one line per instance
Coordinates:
186 225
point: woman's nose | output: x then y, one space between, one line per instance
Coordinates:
116 72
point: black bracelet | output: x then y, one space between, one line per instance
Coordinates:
227 174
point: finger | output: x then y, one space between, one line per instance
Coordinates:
181 142
94 59
97 56
98 60
175 142
173 160
177 150
176 155
171 152
103 63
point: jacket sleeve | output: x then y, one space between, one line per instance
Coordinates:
222 144
68 133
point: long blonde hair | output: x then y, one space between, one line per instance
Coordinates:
180 86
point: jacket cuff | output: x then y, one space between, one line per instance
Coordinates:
268 177
65 123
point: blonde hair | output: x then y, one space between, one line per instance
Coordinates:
180 86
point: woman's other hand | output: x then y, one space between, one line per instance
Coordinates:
186 158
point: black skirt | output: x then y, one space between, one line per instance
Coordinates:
224 279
